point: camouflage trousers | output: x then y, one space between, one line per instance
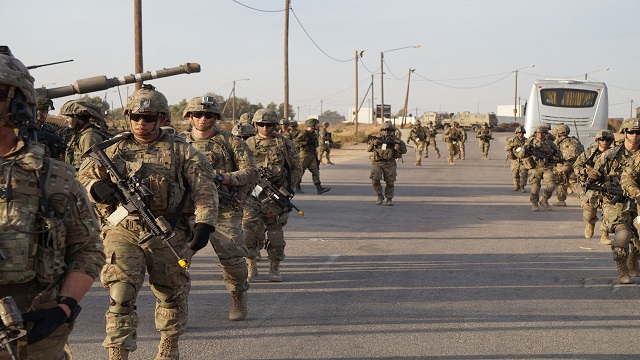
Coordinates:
124 273
618 218
453 150
324 150
461 149
228 243
565 178
384 171
591 202
309 163
519 173
484 148
420 147
431 142
54 346
268 219
536 177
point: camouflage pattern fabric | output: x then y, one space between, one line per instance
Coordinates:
383 164
484 140
419 137
307 142
570 148
519 172
540 169
80 143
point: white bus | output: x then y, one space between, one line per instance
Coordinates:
582 105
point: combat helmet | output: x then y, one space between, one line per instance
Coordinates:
629 124
325 124
81 108
311 122
284 121
417 123
246 118
15 74
203 104
605 135
294 124
45 104
520 130
243 130
147 99
561 129
542 129
267 116
388 125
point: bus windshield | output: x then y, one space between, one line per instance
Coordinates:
568 98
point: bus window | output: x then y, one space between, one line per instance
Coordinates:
569 98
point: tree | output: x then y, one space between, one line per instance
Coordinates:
97 101
177 110
330 113
292 114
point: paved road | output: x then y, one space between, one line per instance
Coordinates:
459 268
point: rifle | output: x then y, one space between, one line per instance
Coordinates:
56 144
590 161
131 195
232 200
610 188
11 325
544 156
282 200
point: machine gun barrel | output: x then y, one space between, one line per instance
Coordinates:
98 83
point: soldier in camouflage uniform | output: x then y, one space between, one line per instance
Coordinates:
519 171
307 142
484 136
45 272
47 134
592 199
385 149
182 181
245 118
84 134
463 139
236 175
539 154
570 148
293 130
280 156
452 136
432 132
419 137
243 131
324 143
619 167
283 129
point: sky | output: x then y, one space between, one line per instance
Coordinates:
469 49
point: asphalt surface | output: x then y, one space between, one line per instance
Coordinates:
458 268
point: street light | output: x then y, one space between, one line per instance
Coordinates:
515 97
233 102
382 77
591 72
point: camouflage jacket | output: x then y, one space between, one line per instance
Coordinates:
280 155
570 147
81 142
631 176
386 148
513 144
452 135
484 135
307 142
71 244
228 155
417 134
586 161
539 154
324 138
431 132
169 167
609 166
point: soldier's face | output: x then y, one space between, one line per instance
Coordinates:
265 129
144 125
203 120
41 115
633 136
540 135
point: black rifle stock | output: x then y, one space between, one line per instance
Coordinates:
282 200
131 194
612 189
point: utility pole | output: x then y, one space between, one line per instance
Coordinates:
286 58
406 98
137 30
373 107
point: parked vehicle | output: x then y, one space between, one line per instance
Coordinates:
469 121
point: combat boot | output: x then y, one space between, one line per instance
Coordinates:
274 271
329 162
588 230
380 200
522 189
623 272
516 188
238 309
118 354
544 202
604 238
253 269
389 202
168 348
299 190
322 190
560 203
632 264
534 206
418 163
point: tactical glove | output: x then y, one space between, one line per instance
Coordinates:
397 147
200 236
45 321
104 192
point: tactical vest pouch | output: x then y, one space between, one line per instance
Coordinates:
529 163
50 251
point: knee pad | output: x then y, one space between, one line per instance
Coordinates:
619 253
122 298
621 236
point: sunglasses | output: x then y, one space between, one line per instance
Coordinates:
607 140
207 115
633 132
265 124
146 118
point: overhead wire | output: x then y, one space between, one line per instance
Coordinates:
252 8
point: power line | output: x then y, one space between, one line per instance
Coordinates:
314 43
463 87
252 8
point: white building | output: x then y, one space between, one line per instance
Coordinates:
507 110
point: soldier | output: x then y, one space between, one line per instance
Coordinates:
615 168
432 132
419 137
178 175
47 134
452 136
592 199
519 172
570 148
280 156
46 279
463 140
325 141
385 149
236 175
539 154
84 133
243 131
293 130
245 118
307 142
283 129
42 110
484 136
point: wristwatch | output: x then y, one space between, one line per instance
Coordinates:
219 178
72 304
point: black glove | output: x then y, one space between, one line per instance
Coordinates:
200 236
45 321
104 192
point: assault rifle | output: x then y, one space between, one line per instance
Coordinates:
282 200
52 140
131 196
11 325
385 139
615 190
544 156
232 200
